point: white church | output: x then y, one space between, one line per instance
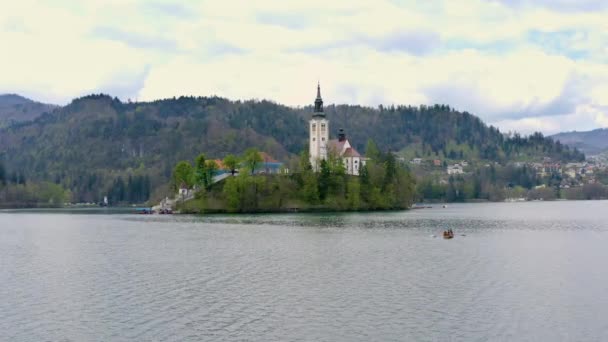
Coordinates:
321 146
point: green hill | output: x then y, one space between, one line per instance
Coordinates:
87 145
15 108
591 142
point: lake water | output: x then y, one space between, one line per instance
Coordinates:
524 271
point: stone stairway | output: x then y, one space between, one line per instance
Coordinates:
169 203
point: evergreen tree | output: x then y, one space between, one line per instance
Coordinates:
200 170
324 179
310 188
210 169
365 183
2 174
371 150
390 170
305 161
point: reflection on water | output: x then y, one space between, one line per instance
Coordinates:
522 271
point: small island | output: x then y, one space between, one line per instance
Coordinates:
382 184
330 176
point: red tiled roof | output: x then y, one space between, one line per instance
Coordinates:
220 164
266 158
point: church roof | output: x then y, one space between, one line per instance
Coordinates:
336 145
351 152
318 103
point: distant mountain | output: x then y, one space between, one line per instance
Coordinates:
16 108
591 142
86 145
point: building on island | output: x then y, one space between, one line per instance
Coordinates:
350 157
269 165
319 133
220 168
320 146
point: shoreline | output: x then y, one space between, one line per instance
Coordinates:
417 206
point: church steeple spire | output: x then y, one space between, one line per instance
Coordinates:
319 102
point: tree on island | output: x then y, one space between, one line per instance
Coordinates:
252 158
304 162
183 174
231 162
2 174
371 150
200 170
210 168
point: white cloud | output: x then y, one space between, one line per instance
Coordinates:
585 117
475 55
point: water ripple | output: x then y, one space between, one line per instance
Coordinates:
520 273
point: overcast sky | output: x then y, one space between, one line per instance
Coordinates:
519 64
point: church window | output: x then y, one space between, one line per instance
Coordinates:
314 127
323 127
313 139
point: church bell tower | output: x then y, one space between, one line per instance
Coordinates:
319 133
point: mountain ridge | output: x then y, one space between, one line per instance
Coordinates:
591 142
86 145
15 108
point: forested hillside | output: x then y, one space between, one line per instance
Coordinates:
15 108
591 142
97 141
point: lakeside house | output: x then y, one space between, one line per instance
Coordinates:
185 192
455 169
269 165
220 167
571 173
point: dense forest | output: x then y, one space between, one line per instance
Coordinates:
15 108
95 144
17 192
